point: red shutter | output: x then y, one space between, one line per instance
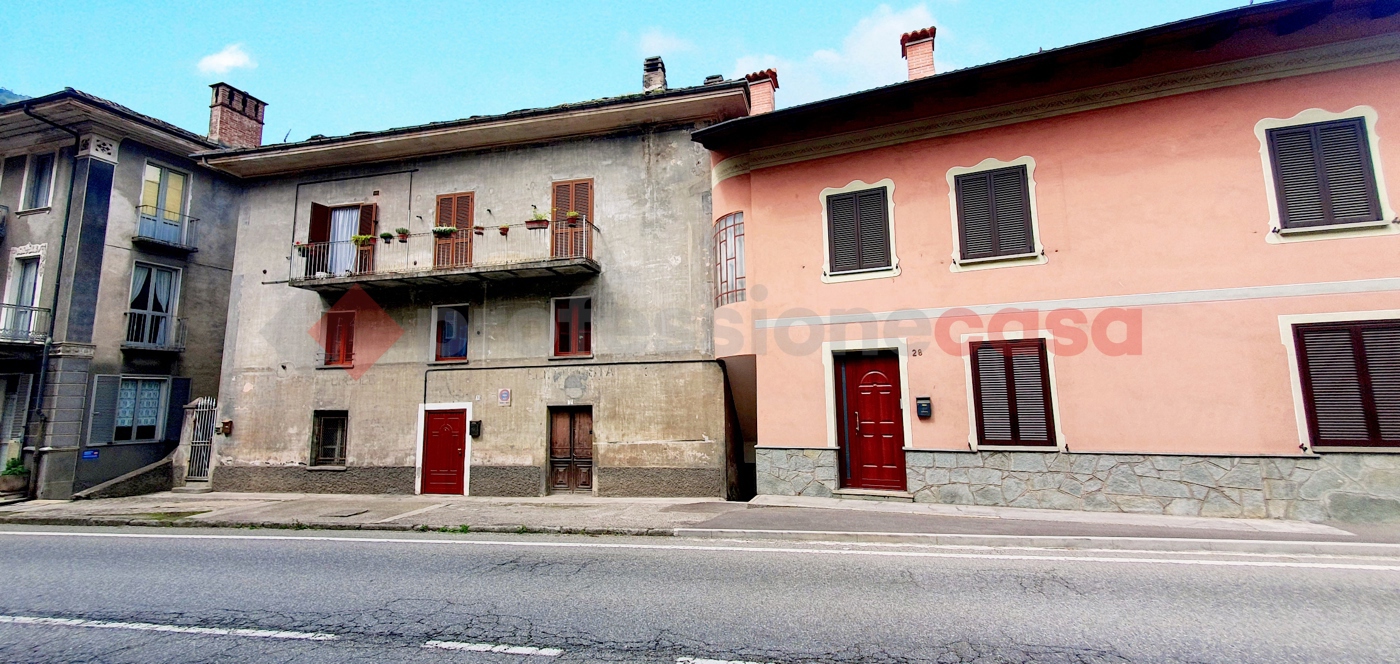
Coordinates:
454 210
568 238
1011 393
320 230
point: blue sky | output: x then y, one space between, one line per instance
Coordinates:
337 67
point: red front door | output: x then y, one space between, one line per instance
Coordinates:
871 421
444 451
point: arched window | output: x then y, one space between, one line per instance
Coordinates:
729 259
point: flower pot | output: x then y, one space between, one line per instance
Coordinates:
479 230
504 230
403 238
13 483
537 224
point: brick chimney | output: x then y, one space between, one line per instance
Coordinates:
235 117
761 87
653 74
917 48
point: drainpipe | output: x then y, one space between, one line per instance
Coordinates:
57 288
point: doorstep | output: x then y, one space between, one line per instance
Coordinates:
192 487
874 494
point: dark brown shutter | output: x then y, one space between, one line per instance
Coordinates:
1011 389
841 223
445 210
570 241
872 214
320 230
369 218
1351 382
858 230
994 213
1322 174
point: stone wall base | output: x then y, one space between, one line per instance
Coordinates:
299 479
1332 487
659 482
510 481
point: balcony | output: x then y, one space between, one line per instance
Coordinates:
21 325
164 229
423 259
150 331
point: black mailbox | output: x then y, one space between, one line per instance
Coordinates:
924 407
474 428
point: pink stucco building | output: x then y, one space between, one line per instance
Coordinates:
1154 273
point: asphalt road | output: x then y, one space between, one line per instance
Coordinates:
179 595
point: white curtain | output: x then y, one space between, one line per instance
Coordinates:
345 222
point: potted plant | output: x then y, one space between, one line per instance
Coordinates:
573 217
362 240
444 231
479 230
387 237
301 248
15 477
403 234
505 228
537 221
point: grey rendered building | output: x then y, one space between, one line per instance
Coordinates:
503 305
117 249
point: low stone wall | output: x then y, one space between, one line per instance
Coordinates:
659 482
152 478
299 479
508 481
1332 487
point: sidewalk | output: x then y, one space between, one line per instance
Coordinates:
765 518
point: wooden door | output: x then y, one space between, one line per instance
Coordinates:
444 451
571 449
871 421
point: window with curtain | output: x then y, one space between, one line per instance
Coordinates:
140 402
451 323
152 304
18 321
729 259
345 223
39 181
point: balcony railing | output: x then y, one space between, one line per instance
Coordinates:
23 325
559 248
147 330
165 227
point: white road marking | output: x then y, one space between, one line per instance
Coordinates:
701 660
743 549
178 629
494 647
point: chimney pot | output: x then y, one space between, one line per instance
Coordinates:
714 79
917 48
653 74
761 87
235 117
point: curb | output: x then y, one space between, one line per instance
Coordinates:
313 525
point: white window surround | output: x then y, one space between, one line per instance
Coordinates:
829 350
24 182
432 334
1060 443
959 264
592 330
189 182
1279 235
878 273
17 253
1286 323
418 445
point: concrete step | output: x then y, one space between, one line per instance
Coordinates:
192 487
872 494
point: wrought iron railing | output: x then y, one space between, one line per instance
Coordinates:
165 226
148 330
21 324
427 252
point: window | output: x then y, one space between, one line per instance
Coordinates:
1351 382
450 340
1323 174
328 437
330 248
573 326
994 214
140 404
454 210
17 322
729 259
572 236
38 183
1011 393
153 295
858 228
340 339
162 211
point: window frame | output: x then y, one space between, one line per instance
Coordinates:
732 290
1037 255
27 182
1307 400
176 282
1320 170
185 198
554 328
318 417
1053 395
342 362
160 416
893 270
434 343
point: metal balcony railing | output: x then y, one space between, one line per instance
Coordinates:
428 253
166 226
23 325
147 330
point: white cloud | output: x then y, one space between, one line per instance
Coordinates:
657 42
232 57
868 57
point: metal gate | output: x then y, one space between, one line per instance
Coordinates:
201 438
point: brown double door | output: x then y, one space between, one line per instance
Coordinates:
571 449
871 421
444 451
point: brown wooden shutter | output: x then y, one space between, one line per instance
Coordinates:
320 230
369 224
369 218
872 213
1011 391
570 241
858 230
1351 382
1323 174
844 231
994 213
455 211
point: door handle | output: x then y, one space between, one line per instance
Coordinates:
857 421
